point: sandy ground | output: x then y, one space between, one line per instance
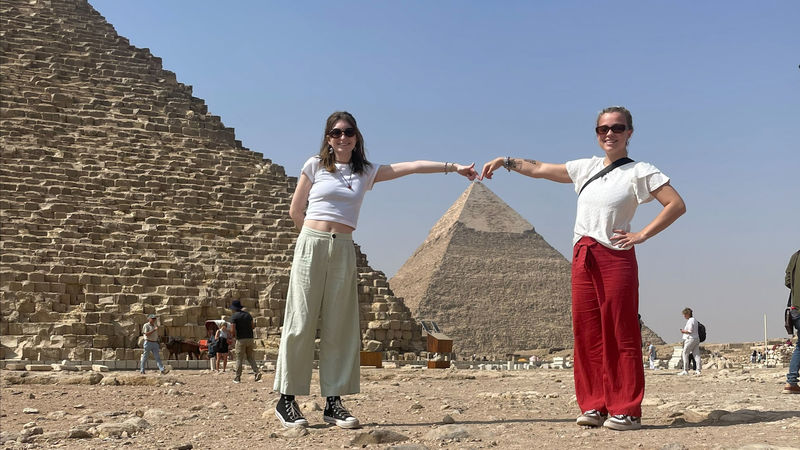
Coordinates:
740 408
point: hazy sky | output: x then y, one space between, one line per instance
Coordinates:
714 88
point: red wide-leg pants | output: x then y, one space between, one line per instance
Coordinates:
609 375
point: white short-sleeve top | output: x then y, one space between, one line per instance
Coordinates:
692 328
609 202
330 198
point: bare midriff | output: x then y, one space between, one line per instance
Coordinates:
328 227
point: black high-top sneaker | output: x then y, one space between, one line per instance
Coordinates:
336 414
289 413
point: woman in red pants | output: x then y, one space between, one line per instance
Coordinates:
609 375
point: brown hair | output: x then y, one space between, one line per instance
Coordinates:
617 109
688 311
359 158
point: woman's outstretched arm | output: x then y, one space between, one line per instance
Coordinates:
528 167
401 169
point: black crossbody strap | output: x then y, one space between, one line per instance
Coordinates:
620 162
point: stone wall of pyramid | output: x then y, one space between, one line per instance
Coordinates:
121 195
489 280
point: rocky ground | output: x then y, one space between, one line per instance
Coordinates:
401 408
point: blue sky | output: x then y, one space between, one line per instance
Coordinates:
714 88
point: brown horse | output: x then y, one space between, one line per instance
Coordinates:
176 346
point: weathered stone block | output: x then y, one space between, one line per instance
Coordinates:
100 341
84 340
16 365
105 329
94 354
70 341
379 334
77 354
91 317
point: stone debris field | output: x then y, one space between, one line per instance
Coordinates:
405 407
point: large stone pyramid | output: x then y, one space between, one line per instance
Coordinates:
121 195
489 280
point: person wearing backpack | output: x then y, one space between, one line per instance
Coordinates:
691 342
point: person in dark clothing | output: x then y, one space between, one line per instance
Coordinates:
212 353
793 283
242 331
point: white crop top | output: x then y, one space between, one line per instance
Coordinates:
330 199
610 202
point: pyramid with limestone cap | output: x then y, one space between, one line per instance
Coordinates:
489 280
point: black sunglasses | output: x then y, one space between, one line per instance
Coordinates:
617 128
337 133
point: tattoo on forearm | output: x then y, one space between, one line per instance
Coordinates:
532 161
512 164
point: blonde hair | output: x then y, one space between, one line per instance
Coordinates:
688 311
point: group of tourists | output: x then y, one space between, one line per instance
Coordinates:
239 330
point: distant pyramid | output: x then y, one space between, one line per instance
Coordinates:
489 280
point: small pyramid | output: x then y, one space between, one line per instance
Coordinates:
489 280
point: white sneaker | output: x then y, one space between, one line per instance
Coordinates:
591 418
697 372
683 373
622 422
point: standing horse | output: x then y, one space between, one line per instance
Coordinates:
176 346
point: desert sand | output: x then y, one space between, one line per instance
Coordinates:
405 407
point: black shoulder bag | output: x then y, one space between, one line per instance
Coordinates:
620 162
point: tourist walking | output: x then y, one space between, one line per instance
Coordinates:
221 339
151 345
651 353
242 331
793 283
323 278
212 353
605 282
691 343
